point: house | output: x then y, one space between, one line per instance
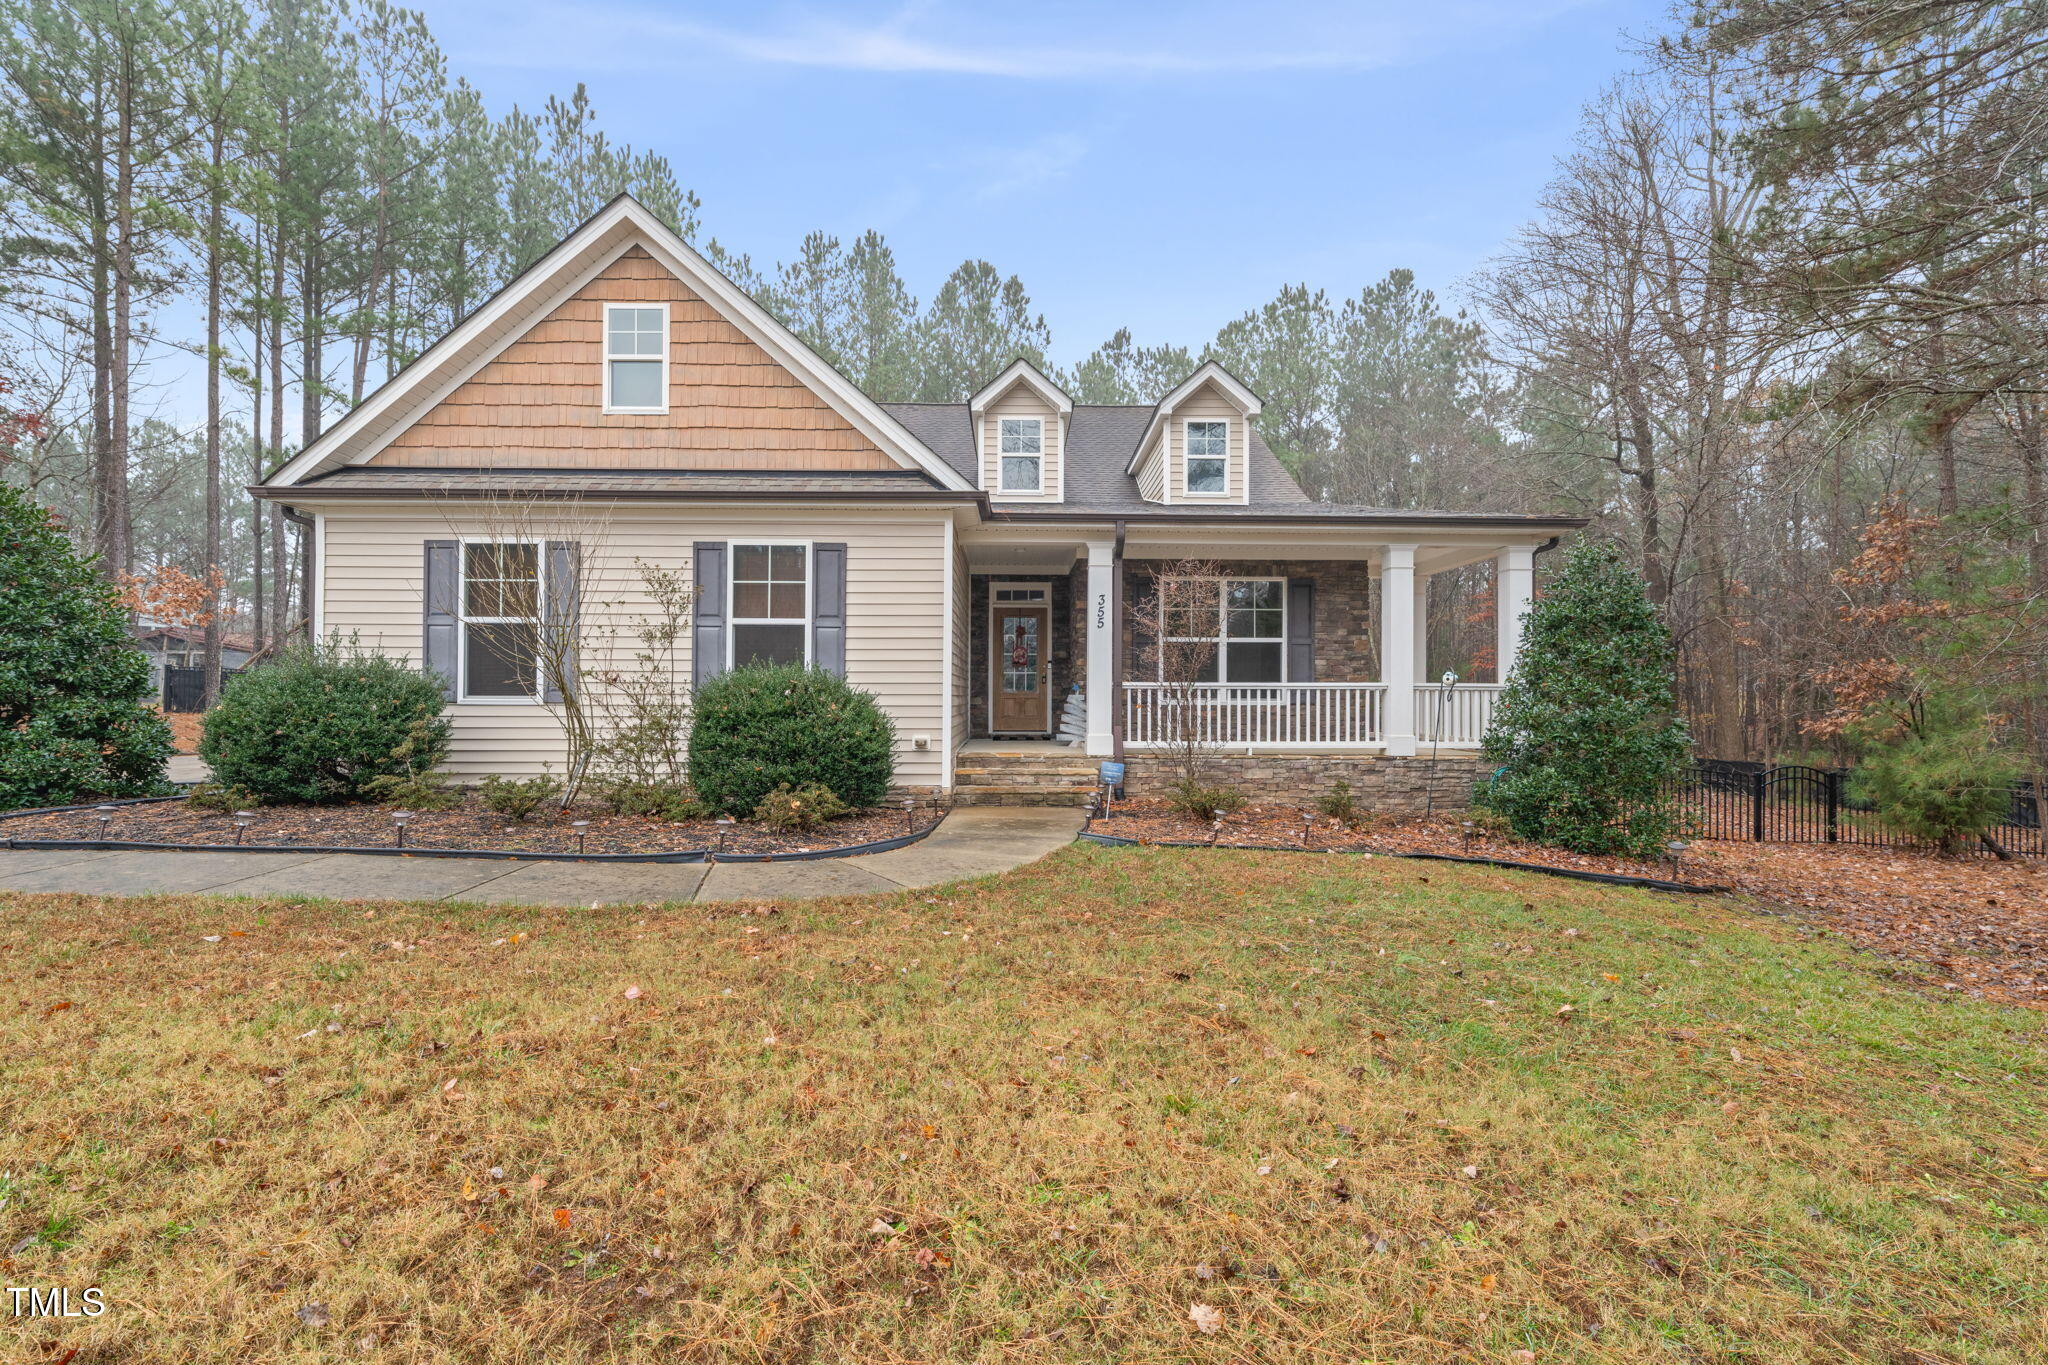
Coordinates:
177 661
970 564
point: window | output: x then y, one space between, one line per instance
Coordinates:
1021 444
771 604
501 596
1248 627
1208 458
636 357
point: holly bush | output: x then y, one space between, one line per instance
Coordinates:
1587 731
768 726
76 723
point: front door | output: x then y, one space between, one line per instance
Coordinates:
1023 703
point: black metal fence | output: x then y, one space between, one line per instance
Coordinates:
1791 803
184 689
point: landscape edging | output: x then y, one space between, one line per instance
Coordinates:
1610 878
690 855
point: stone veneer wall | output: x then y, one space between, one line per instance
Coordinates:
1399 786
1347 620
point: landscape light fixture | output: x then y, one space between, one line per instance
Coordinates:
1215 830
724 828
1674 851
399 818
909 815
579 826
1465 833
106 818
243 819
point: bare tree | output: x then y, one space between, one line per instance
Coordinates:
1176 626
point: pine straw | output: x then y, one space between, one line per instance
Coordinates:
1365 1109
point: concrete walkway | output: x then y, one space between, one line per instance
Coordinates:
977 841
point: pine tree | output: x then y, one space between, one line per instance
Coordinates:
1587 731
1119 371
977 324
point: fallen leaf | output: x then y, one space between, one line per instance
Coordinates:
563 1217
1205 1317
632 992
314 1314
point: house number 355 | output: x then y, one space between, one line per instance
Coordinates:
1101 610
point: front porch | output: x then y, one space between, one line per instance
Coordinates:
1341 657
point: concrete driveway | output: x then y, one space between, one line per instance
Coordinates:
977 841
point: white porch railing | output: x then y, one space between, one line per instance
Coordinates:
1457 716
1277 715
1298 715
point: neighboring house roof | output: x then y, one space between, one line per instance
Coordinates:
192 635
1100 443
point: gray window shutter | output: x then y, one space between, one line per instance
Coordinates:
1301 630
707 625
441 578
558 613
828 608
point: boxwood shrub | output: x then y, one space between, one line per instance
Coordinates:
321 722
761 727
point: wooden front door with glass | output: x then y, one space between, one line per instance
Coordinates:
1022 682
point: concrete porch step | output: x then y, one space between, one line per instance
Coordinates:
1022 795
1049 773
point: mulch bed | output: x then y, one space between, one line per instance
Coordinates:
1980 923
468 826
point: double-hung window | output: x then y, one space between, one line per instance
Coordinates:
636 357
1021 447
1246 628
1208 458
501 597
771 604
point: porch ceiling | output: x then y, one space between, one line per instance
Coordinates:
1055 549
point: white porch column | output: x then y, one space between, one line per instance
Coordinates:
1514 586
1422 673
1102 688
1397 645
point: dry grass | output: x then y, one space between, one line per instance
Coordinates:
1365 1109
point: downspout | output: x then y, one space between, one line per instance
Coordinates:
1116 646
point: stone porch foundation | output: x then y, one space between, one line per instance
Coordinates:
1396 786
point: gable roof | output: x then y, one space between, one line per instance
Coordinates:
545 285
1208 372
1100 441
1021 371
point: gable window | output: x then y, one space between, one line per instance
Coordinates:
1208 457
501 596
636 357
1247 627
1021 446
771 604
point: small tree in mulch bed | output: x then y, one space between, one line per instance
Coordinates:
766 726
1587 731
322 723
75 719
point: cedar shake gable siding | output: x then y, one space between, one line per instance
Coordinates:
540 402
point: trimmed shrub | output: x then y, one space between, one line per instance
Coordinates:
1339 803
416 785
1205 801
516 798
1587 732
75 720
321 723
763 727
656 800
797 808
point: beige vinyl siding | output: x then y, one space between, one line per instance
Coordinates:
963 653
1152 477
1023 401
1206 404
895 607
540 402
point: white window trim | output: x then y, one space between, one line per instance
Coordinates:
1220 639
1223 494
1003 488
462 618
733 620
605 344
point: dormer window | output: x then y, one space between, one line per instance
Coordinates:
1022 449
1208 458
636 357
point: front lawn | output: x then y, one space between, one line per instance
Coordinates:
1125 1104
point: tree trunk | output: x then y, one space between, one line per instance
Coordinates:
115 543
211 644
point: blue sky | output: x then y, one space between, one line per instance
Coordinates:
1160 166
